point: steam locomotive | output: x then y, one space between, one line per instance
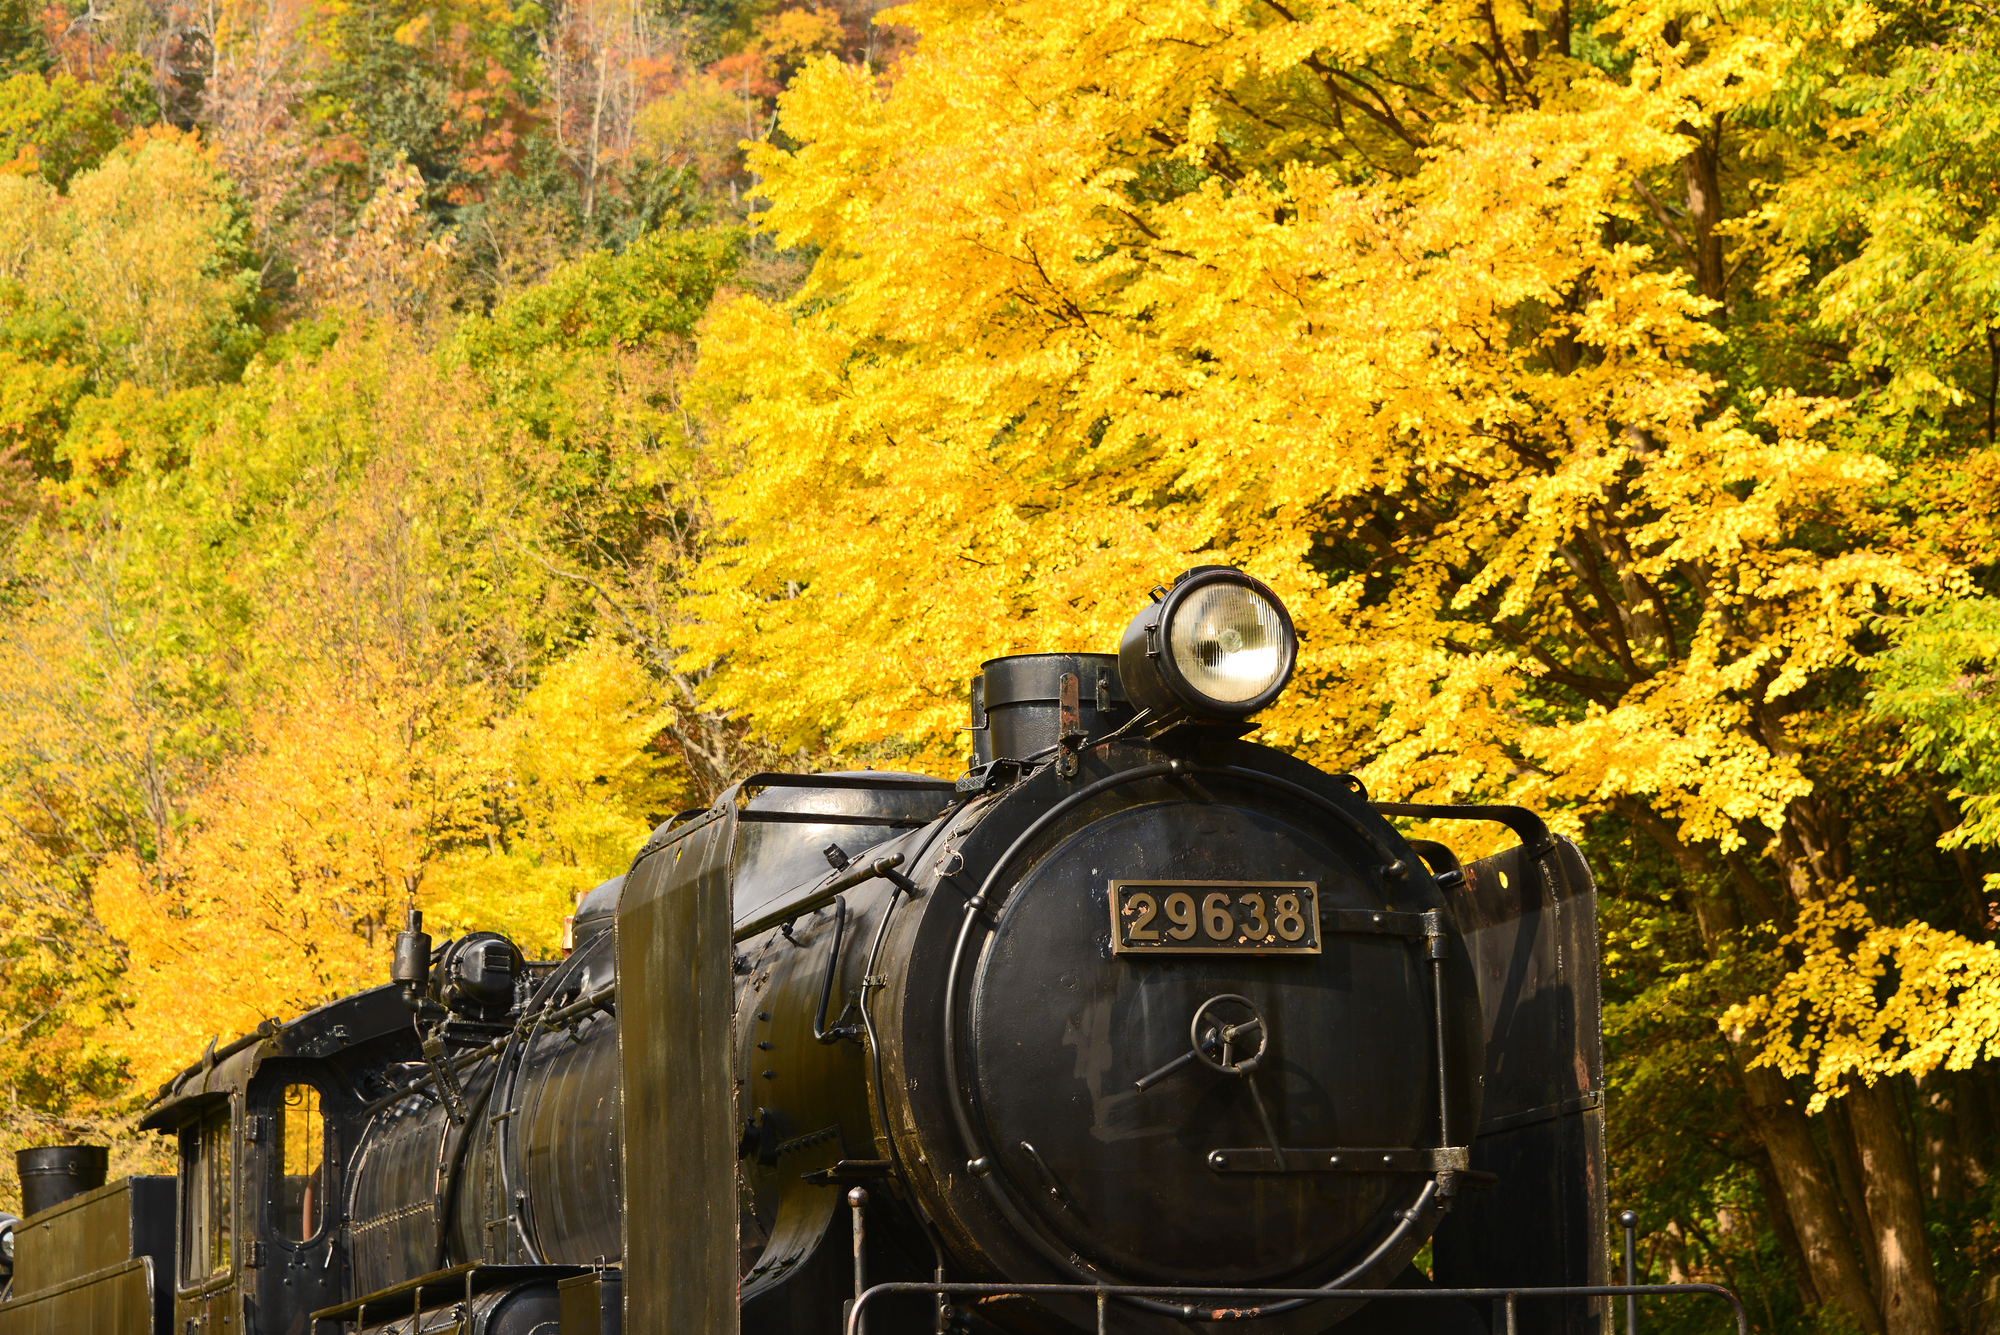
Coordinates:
1132 1012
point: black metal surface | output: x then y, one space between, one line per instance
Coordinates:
392 1204
1630 1223
1530 828
595 911
1347 1033
864 781
1053 1026
565 1132
676 1108
1023 701
1383 1162
793 906
121 1300
51 1174
1532 927
591 1304
856 810
803 1110
78 1260
467 1299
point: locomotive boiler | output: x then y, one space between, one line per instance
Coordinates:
1133 1003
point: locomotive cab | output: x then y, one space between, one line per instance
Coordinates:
264 1126
257 1197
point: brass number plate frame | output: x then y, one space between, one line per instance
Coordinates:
1175 917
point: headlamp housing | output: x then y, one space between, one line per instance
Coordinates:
1218 647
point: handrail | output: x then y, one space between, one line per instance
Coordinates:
864 782
1526 825
1237 1304
858 873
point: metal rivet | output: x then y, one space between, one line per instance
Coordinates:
770 1075
1334 1158
763 1015
1387 1159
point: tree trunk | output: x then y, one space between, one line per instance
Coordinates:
1810 1196
1975 1125
1992 381
1985 1318
596 128
1781 1225
1968 875
1847 1169
1701 170
1908 1288
1937 1126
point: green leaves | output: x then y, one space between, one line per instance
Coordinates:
57 125
1940 680
1892 195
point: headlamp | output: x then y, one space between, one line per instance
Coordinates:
1218 647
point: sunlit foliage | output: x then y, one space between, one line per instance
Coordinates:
440 441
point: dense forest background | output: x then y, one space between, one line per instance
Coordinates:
443 439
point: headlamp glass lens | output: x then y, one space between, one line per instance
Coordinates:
1229 642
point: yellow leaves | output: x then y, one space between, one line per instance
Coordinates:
298 857
1870 1001
312 670
584 783
1856 23
697 125
1678 741
793 34
139 254
1086 313
356 800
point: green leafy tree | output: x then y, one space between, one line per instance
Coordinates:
55 126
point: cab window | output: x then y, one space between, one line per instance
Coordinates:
301 1145
207 1196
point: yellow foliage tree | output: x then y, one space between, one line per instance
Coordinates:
1072 328
390 263
319 683
144 253
352 805
1868 1002
1362 297
297 856
585 782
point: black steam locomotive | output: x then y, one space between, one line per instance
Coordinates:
1131 1014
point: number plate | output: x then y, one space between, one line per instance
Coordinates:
1214 917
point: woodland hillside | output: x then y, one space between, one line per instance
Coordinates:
444 439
